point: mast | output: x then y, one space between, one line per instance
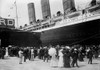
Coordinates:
16 13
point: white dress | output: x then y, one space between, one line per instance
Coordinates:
52 53
60 62
32 54
6 55
20 56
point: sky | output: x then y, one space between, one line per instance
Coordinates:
8 10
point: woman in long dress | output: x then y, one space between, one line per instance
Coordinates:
52 53
32 54
60 62
6 55
20 56
66 58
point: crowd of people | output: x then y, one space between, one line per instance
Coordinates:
59 56
31 53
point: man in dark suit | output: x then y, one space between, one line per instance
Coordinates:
90 55
25 54
74 57
35 52
46 55
41 53
2 52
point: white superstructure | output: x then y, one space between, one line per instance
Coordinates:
66 20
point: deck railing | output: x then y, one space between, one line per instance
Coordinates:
67 19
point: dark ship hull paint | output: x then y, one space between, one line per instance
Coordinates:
81 33
19 38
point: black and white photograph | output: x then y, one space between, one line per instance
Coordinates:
49 34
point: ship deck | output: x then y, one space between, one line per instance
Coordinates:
69 22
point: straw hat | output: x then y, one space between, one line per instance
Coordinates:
75 49
67 47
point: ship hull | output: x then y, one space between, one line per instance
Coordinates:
19 38
81 33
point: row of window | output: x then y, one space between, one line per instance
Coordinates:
42 27
37 27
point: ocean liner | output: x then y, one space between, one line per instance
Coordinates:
72 27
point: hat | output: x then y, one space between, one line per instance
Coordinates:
67 47
75 49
